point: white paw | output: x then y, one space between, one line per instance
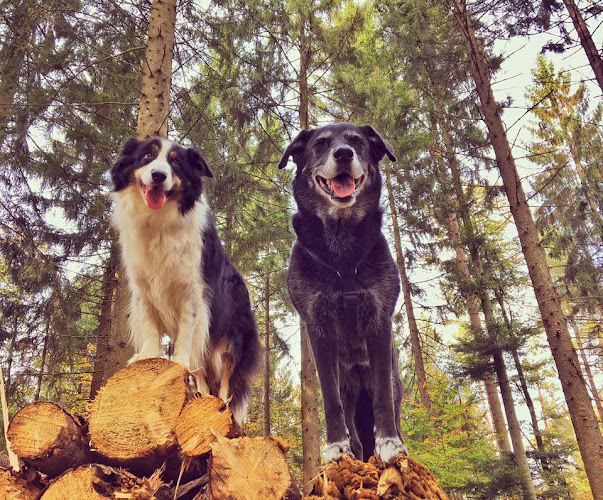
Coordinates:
334 451
388 448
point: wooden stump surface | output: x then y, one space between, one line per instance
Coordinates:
133 417
98 482
250 469
201 420
47 438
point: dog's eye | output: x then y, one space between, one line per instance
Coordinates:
321 143
356 141
147 156
175 163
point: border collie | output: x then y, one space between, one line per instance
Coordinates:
181 280
344 283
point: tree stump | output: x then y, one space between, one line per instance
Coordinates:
15 487
48 438
351 479
201 420
132 419
97 482
249 469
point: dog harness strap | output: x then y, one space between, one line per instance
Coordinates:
351 299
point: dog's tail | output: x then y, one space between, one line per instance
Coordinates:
245 371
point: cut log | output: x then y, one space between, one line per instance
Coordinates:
15 487
97 482
250 468
201 420
132 419
350 478
48 438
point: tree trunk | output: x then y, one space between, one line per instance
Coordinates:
309 382
267 354
576 394
228 232
157 71
104 322
44 354
502 438
545 419
10 353
524 385
587 370
521 459
309 413
586 40
415 338
16 44
118 347
152 121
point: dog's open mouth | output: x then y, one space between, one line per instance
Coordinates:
155 196
341 187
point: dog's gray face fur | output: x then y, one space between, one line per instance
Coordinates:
337 187
338 162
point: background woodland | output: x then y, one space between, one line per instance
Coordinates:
496 222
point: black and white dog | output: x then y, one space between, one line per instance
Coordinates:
344 283
181 280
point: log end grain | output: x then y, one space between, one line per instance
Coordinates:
47 438
132 419
201 420
97 482
250 468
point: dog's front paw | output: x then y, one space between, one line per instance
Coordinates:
388 448
334 451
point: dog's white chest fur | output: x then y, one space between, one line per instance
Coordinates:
162 253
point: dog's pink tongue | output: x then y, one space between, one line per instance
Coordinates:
155 197
343 185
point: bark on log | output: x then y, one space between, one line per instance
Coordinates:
201 420
96 482
48 438
132 419
250 468
350 478
16 487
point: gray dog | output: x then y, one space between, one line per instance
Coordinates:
344 283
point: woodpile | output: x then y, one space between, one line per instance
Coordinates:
146 436
352 479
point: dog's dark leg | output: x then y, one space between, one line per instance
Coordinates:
387 440
325 354
349 396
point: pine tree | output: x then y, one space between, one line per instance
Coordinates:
578 401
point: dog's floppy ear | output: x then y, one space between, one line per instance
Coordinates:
379 146
197 161
118 176
296 147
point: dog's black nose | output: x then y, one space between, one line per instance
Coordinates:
158 176
344 153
